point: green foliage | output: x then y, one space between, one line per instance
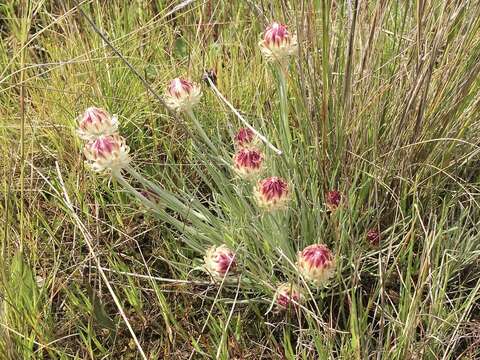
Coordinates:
381 103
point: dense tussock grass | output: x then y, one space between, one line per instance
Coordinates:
383 106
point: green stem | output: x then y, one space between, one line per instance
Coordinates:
200 130
181 226
195 214
24 29
135 192
286 135
274 223
170 200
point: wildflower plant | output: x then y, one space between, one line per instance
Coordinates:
237 221
204 227
253 207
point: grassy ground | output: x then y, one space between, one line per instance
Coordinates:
384 105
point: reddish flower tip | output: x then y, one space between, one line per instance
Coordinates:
178 87
244 137
316 263
277 43
333 199
275 34
272 193
96 122
373 237
287 295
220 261
107 153
182 94
248 162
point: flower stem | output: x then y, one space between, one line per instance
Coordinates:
134 191
180 225
202 132
282 84
199 216
170 200
275 224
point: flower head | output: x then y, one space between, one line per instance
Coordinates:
245 137
373 237
96 122
107 153
333 199
220 261
272 193
182 94
277 43
316 263
288 294
248 162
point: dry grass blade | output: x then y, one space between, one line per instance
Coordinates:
89 241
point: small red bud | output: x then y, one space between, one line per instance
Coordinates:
373 237
333 199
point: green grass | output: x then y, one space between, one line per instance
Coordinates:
388 114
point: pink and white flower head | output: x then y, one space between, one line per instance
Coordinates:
182 95
272 193
248 162
287 295
96 122
245 137
333 199
107 153
316 263
220 261
277 43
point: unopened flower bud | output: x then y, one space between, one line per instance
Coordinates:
316 263
272 193
288 294
248 162
96 122
107 153
373 237
245 137
277 43
333 199
182 94
220 261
